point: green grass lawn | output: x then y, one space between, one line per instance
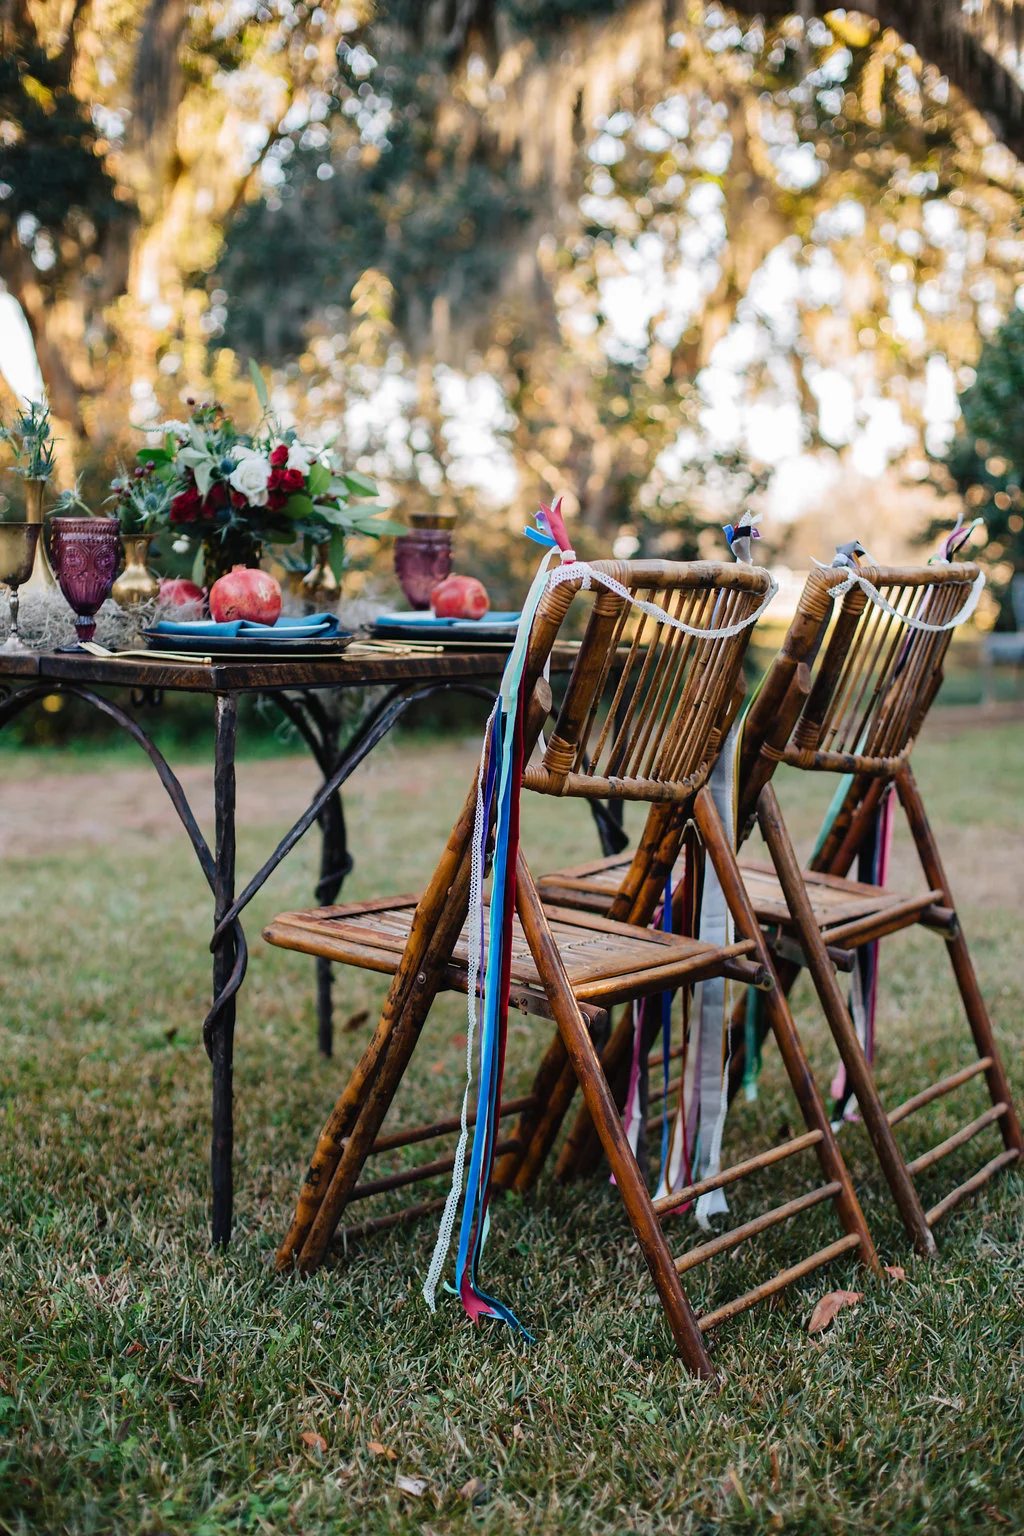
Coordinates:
148 1385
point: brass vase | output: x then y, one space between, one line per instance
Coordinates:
42 578
221 555
136 583
320 585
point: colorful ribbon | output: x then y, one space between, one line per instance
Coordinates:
498 786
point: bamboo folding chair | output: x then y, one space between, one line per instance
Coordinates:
848 700
679 693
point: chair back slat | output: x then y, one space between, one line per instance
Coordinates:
875 674
643 712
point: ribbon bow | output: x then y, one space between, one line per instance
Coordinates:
739 535
550 530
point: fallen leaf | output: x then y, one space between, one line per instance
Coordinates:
134 1349
375 1448
518 1433
416 1486
896 1271
356 1021
469 1491
827 1308
460 1041
437 1068
313 1440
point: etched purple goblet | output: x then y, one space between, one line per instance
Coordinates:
84 553
423 557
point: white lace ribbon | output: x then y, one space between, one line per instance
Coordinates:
909 619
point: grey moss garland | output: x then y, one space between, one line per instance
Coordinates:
46 622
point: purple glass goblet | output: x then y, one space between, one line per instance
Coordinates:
423 558
84 553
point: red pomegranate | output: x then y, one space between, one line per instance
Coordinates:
459 597
245 594
179 591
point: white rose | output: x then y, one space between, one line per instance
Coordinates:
301 458
250 476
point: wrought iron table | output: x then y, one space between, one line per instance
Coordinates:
297 688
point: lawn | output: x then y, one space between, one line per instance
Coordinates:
148 1385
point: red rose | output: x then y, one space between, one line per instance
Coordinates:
186 506
279 457
293 480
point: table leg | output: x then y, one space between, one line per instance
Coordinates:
224 956
335 864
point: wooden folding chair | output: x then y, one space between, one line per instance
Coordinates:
678 694
849 701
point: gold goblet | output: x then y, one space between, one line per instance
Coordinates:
17 554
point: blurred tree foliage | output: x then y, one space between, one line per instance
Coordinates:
61 222
501 248
986 457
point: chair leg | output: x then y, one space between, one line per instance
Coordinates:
876 1121
663 833
436 925
960 958
582 1151
723 857
587 1066
349 1134
331 1144
534 1127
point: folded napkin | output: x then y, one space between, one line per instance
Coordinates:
317 626
425 620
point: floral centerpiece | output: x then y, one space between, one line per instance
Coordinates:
232 492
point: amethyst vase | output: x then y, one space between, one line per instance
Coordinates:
85 553
423 557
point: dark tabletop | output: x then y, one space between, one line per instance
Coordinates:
244 676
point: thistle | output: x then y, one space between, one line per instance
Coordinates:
31 439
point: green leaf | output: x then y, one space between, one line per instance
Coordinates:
154 456
299 505
377 527
336 553
198 566
359 485
319 479
258 383
338 517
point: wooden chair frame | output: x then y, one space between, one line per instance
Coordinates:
858 714
683 692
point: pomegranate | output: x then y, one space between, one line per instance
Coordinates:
178 591
245 594
459 597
